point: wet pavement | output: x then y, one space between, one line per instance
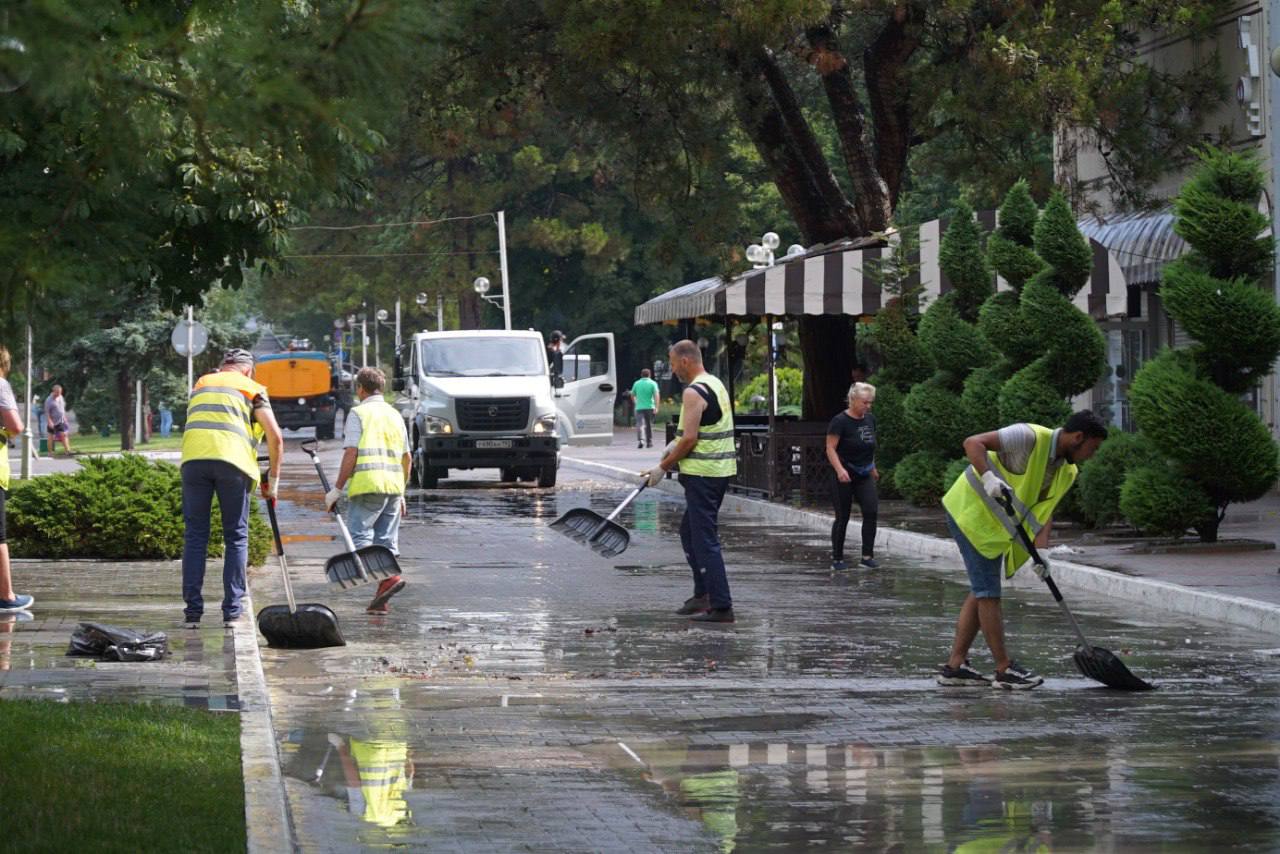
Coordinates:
525 694
141 595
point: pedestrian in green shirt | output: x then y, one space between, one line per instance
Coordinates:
644 392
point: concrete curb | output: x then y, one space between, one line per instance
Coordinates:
266 810
1234 610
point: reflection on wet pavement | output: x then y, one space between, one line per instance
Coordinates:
525 694
199 673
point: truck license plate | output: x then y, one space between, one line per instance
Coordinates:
493 443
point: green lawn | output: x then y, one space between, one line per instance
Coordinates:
119 777
92 443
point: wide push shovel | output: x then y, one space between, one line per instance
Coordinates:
294 626
357 566
605 536
1093 661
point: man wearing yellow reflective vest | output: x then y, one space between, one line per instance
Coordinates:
10 425
227 416
707 461
375 469
1035 466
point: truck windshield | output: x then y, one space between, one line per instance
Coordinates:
482 356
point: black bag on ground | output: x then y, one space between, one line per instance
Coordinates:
112 643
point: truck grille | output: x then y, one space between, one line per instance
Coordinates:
493 413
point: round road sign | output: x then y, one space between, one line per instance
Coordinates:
199 337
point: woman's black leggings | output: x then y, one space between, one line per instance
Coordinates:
864 490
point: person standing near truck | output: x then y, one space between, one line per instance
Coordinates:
644 392
375 468
707 461
227 415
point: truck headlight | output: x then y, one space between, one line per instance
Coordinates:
438 426
545 424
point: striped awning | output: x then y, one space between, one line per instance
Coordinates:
1143 243
843 278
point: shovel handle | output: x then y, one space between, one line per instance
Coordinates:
623 506
1007 503
309 447
284 564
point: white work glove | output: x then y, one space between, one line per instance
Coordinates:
1042 569
994 485
335 739
269 488
331 499
653 476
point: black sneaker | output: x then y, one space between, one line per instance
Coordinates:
694 605
1017 678
838 565
640 445
714 615
869 562
964 676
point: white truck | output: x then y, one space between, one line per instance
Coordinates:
478 399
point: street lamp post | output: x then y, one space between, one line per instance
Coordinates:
502 263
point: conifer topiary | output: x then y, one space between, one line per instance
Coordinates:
1187 401
1011 248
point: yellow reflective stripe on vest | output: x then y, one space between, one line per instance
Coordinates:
4 459
220 423
378 470
714 454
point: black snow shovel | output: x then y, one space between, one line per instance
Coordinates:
294 626
356 566
1093 661
605 536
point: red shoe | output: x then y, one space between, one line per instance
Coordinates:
388 588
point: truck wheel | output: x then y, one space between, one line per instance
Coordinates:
547 476
507 475
428 477
324 431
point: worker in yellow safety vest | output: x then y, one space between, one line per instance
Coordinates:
375 468
227 416
1034 466
10 425
705 455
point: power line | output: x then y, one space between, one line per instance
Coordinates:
390 224
392 254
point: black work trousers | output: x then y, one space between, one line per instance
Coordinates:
863 489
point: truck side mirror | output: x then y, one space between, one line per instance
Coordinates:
397 384
398 371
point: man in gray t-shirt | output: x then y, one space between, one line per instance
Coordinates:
55 416
11 602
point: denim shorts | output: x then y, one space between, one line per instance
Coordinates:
984 572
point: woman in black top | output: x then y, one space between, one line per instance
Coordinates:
851 450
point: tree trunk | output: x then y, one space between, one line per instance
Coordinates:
1208 530
469 311
124 393
827 345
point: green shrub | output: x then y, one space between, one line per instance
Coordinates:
1073 341
900 350
961 258
1029 396
790 389
1234 459
1062 246
1010 250
1240 320
953 471
122 508
1000 321
1158 500
1216 212
919 478
980 400
894 439
953 344
1099 481
936 418
886 486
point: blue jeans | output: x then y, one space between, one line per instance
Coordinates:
700 537
166 422
375 519
201 481
984 572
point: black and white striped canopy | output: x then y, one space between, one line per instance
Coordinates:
841 279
